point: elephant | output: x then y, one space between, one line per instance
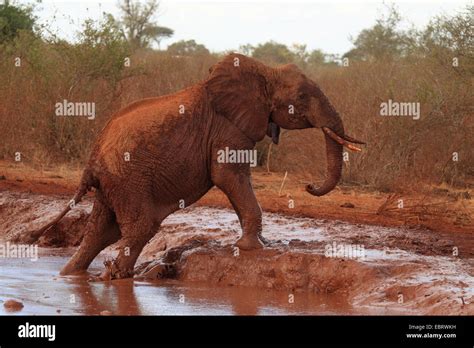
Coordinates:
159 154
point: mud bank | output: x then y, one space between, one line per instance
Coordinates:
41 292
384 270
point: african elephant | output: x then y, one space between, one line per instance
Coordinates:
158 152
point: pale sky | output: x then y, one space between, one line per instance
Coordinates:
225 25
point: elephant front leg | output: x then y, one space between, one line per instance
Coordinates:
251 223
238 188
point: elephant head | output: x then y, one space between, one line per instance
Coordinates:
259 100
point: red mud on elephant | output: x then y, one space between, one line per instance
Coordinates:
158 155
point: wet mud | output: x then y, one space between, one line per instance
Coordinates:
311 266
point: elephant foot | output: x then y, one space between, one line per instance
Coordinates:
99 277
71 269
106 276
114 271
247 242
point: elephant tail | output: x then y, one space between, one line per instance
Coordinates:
87 181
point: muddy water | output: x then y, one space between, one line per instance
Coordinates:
42 292
417 264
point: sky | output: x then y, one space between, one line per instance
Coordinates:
225 25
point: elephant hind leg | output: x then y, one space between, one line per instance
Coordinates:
102 230
134 238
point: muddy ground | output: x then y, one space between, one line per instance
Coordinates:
398 266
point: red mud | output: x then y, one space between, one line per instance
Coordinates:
401 270
417 260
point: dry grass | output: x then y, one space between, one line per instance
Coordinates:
401 153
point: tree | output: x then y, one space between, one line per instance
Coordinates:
300 53
246 49
13 19
137 23
187 48
316 57
273 52
454 34
277 53
450 41
383 40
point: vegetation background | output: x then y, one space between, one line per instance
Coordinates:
433 65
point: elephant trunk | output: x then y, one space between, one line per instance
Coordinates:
323 115
334 161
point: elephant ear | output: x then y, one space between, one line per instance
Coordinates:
237 91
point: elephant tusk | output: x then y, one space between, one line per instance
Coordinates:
340 140
352 140
353 148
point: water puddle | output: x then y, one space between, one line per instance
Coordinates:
42 292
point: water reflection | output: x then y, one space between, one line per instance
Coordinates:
117 297
128 297
43 292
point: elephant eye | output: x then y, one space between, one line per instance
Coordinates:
302 96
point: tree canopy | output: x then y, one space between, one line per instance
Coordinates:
137 23
383 40
187 48
277 53
13 19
